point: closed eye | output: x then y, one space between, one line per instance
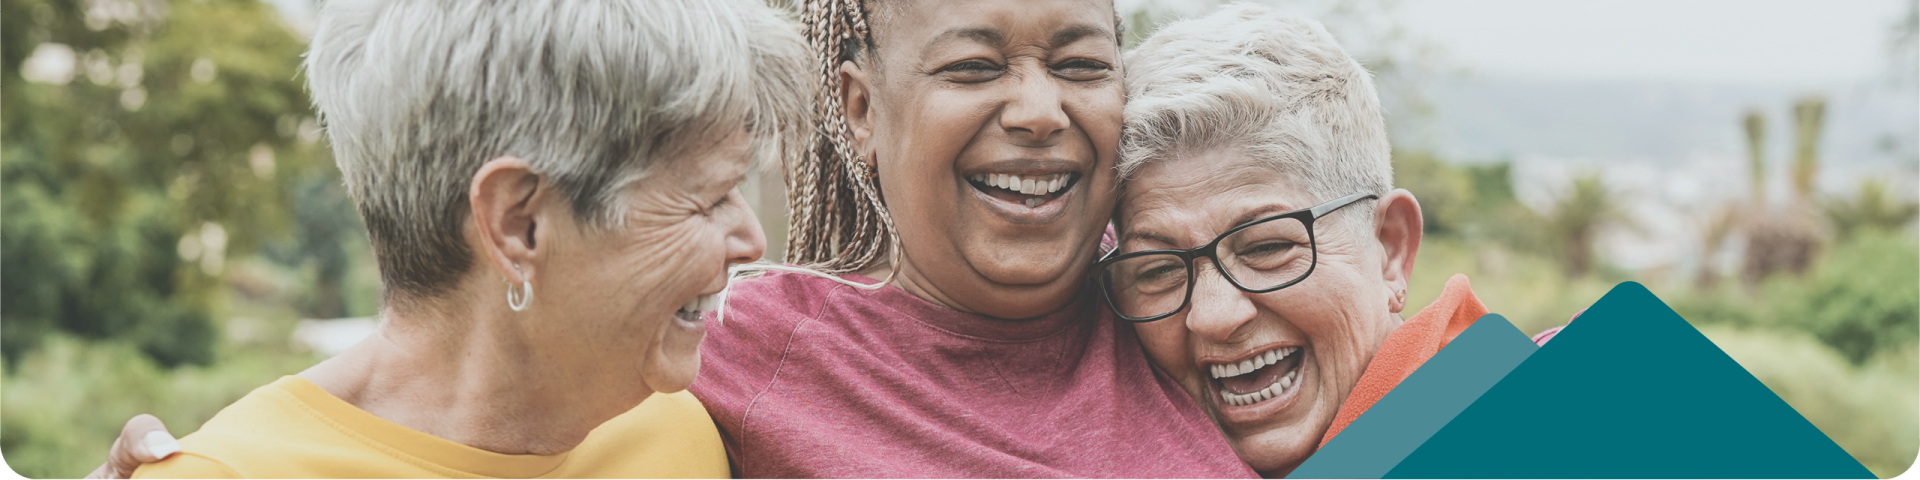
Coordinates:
1083 69
972 71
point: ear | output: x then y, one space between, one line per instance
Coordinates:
504 198
1397 224
856 102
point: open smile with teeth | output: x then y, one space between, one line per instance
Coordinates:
1257 379
1029 190
700 305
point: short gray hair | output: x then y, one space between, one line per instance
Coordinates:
1277 87
418 94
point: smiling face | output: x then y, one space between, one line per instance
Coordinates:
994 126
623 293
1272 369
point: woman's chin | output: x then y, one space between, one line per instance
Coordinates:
1274 453
672 376
675 361
1278 432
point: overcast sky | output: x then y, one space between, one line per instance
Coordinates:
1794 42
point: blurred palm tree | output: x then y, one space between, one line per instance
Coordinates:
1755 124
1786 239
1809 113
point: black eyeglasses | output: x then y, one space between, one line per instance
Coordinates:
1256 257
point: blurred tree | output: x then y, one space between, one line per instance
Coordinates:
1871 208
1903 47
1780 240
148 143
1755 124
1577 218
1787 238
1446 192
1808 115
325 223
1719 225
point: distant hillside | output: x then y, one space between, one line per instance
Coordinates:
1489 118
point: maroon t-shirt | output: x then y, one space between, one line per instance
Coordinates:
810 378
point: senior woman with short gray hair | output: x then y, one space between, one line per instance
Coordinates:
550 192
1263 250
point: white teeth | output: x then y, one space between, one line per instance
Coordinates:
704 303
1034 202
1041 185
1249 365
1274 390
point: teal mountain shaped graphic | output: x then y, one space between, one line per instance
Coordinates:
1423 403
1630 390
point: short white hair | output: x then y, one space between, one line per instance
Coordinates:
417 94
1276 87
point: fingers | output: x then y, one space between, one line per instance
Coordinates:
100 471
143 440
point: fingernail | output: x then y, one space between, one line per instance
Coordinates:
160 444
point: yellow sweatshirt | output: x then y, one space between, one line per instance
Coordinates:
293 429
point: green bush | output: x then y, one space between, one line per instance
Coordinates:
1865 299
65 402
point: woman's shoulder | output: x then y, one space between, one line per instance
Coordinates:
667 436
781 288
267 433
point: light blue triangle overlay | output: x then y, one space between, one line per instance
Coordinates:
1423 403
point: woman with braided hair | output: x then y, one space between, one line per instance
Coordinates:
959 188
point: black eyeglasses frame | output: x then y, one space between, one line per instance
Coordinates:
1306 216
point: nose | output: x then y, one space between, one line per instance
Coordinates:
1035 113
1217 310
745 242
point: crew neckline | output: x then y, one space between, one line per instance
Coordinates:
1077 312
400 441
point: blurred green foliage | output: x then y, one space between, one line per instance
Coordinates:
168 148
1871 208
1861 301
66 401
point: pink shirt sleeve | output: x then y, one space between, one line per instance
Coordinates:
1542 337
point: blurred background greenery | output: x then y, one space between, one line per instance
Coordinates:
173 232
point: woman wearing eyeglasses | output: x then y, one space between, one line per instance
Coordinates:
1263 250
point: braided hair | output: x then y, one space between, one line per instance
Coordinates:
838 224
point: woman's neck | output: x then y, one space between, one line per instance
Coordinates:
1010 303
469 376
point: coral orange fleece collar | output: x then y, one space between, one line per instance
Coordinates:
1409 347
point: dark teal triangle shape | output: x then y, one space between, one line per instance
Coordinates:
1423 403
1630 390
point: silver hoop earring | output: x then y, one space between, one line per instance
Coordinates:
518 301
